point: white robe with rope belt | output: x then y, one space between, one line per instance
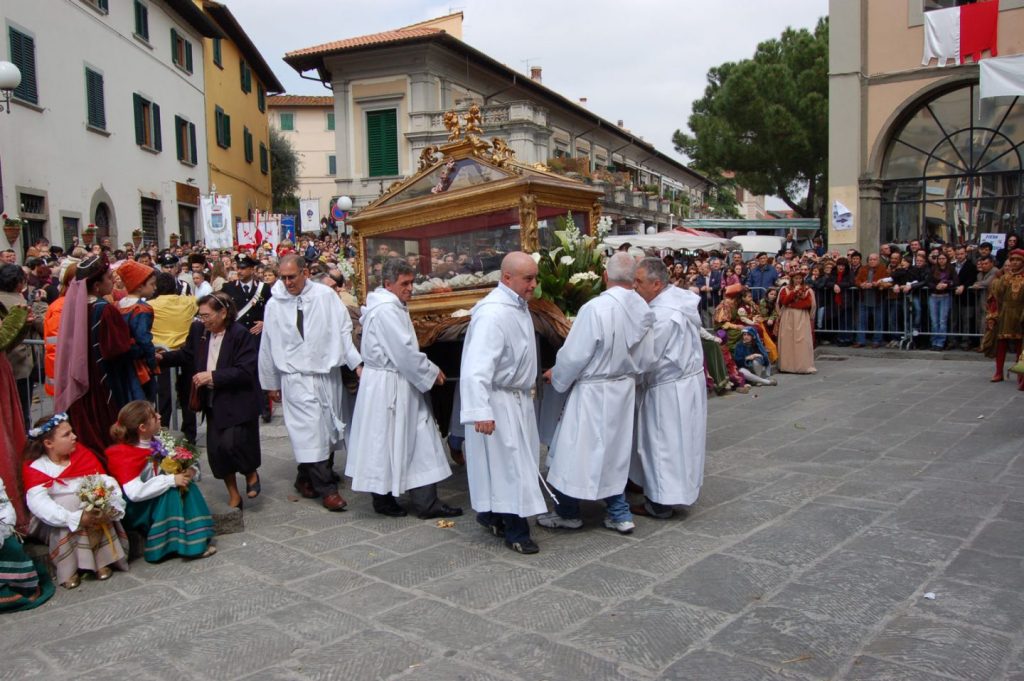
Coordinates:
307 369
395 444
497 376
609 347
672 404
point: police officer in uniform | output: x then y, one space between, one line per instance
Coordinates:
250 296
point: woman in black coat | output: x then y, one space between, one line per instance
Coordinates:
224 356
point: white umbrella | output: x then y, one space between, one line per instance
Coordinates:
675 240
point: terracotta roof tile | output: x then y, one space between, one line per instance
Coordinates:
364 40
299 100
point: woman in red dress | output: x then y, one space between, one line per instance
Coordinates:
796 326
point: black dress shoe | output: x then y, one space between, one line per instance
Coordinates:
395 511
496 528
527 546
445 511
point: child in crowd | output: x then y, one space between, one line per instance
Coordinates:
752 359
166 508
56 467
23 584
140 283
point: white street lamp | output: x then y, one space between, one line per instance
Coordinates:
10 78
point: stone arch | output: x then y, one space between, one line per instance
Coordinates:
100 196
894 123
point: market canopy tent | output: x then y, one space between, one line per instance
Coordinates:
676 240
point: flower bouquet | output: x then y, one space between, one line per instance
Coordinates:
173 455
96 494
570 274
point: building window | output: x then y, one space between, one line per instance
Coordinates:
181 51
246 76
287 121
382 142
955 170
330 120
141 21
96 110
185 141
264 159
147 123
332 165
247 144
261 97
70 229
23 55
149 219
222 126
217 58
100 6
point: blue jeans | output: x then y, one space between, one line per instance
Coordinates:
516 529
569 507
875 310
938 314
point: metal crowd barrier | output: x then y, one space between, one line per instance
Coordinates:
904 320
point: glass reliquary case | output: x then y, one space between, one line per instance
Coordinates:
469 204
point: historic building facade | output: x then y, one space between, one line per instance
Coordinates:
913 149
108 124
392 89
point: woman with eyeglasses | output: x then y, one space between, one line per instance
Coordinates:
224 356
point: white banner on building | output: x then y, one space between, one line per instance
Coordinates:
215 214
247 235
309 211
1002 76
842 218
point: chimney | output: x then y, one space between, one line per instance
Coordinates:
535 74
620 123
583 101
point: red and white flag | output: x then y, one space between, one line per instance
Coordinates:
955 33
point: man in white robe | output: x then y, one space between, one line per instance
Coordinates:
395 445
608 348
498 376
672 400
307 337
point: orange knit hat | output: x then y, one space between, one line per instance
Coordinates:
134 274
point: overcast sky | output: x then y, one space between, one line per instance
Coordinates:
643 61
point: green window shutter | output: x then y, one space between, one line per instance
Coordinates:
264 164
23 55
95 107
227 130
141 20
193 154
218 125
102 4
140 124
245 74
287 121
174 47
188 56
157 142
330 120
261 97
332 165
179 128
216 52
247 144
382 142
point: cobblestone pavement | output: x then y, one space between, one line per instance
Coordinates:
832 504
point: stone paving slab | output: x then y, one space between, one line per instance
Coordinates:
832 503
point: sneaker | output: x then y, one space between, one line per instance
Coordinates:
622 527
555 521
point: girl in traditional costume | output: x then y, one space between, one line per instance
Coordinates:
56 469
1005 314
166 508
23 583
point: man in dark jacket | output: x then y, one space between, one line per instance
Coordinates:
961 321
762 277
